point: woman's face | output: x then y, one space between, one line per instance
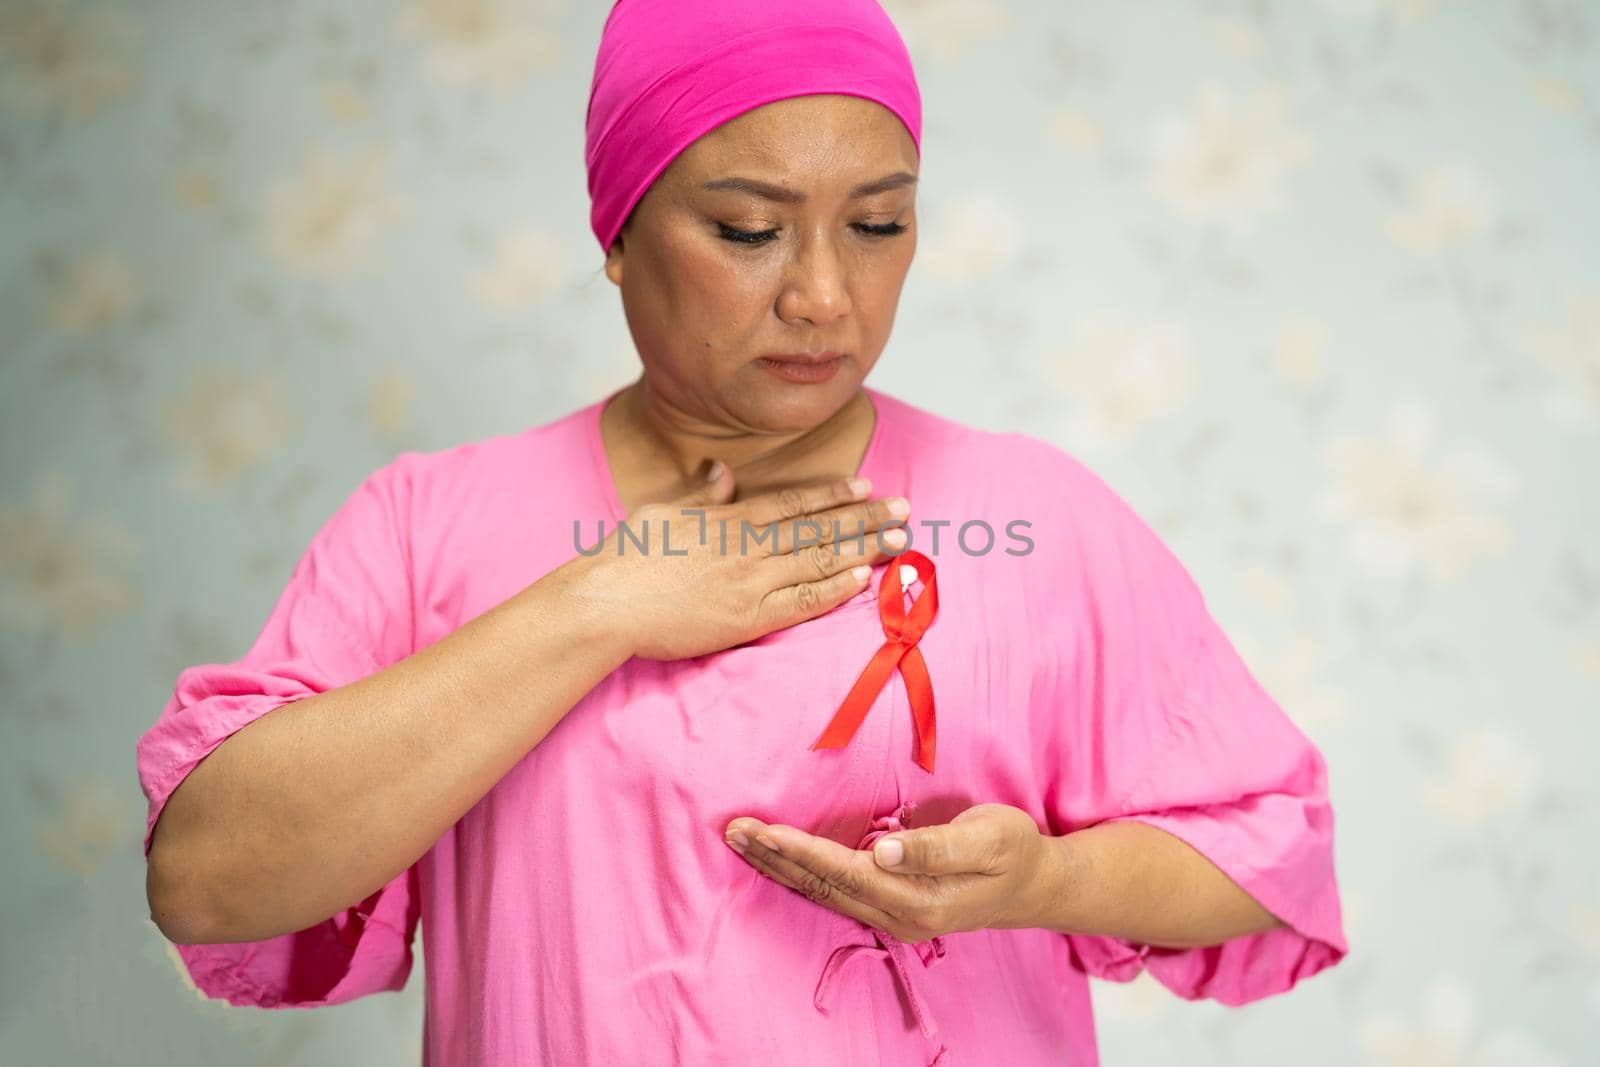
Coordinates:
716 274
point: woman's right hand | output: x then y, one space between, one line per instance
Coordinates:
701 598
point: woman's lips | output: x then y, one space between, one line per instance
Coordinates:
804 370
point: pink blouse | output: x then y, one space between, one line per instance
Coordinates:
587 911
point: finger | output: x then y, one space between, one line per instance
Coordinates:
858 524
716 488
975 845
793 604
840 885
795 501
850 869
816 562
817 890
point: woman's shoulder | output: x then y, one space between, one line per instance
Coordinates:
547 451
1019 474
1004 457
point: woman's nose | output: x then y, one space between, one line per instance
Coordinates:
815 288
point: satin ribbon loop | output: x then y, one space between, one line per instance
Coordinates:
903 630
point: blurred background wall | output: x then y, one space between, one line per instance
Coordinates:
1315 286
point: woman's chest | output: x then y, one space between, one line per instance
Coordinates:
746 731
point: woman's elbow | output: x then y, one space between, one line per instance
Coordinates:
173 899
175 895
175 919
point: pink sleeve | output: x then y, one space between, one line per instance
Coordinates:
345 613
1157 719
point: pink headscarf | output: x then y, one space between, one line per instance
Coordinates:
670 71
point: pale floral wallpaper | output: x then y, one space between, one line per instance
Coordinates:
1314 285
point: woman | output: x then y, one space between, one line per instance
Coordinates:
660 796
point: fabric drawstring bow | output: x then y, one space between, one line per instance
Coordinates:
898 953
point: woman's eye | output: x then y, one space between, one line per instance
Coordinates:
746 236
886 230
755 237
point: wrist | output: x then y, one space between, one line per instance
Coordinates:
1058 885
580 591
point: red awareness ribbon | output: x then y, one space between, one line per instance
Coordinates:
904 630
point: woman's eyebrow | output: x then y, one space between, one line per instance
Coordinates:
784 195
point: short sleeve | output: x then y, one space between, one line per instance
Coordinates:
345 613
1154 717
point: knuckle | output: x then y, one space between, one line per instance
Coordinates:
822 559
807 597
996 851
814 888
791 501
850 883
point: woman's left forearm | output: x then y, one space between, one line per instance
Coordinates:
1133 881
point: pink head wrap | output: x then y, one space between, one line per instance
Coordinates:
670 71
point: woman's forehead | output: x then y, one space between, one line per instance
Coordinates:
836 135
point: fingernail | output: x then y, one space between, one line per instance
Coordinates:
899 507
890 851
737 839
768 842
894 537
715 472
859 486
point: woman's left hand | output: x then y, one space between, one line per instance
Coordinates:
987 867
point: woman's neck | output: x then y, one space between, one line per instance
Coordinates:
656 457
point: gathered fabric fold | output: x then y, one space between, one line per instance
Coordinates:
889 947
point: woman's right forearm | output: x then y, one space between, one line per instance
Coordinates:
319 803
